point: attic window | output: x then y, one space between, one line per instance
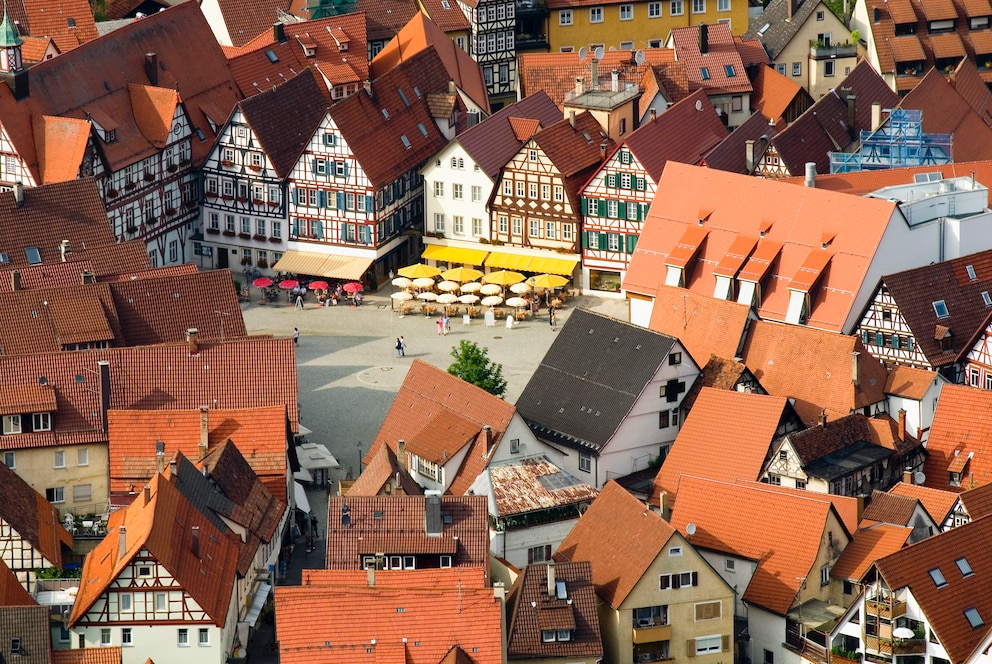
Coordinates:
110 135
963 565
938 577
940 309
422 128
763 28
377 515
406 141
33 255
72 22
406 102
729 70
445 4
986 299
416 91
4 258
974 618
705 73
271 55
199 135
971 272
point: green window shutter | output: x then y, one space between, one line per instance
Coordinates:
602 241
631 243
322 199
622 210
585 202
601 207
346 169
313 166
585 239
339 200
370 204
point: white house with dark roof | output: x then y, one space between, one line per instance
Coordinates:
611 392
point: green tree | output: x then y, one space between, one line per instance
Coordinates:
472 365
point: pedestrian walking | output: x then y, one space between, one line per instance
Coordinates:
553 321
402 346
440 325
446 324
296 335
399 347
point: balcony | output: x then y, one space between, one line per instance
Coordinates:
652 634
821 52
531 8
885 610
531 42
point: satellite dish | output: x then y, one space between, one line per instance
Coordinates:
598 53
690 529
919 477
639 57
613 48
582 53
699 105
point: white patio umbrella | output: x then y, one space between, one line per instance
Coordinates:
520 288
423 282
517 302
428 296
468 299
402 282
491 289
492 301
447 298
471 287
402 296
448 286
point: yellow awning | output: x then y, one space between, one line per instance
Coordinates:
437 252
563 266
323 265
516 262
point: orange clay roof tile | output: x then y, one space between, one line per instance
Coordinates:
781 570
466 577
724 69
32 517
104 655
620 537
868 545
555 73
962 426
938 503
380 471
705 325
60 144
12 593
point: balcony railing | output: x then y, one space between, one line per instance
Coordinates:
534 42
652 634
889 647
889 610
841 51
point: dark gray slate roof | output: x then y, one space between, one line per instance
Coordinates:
29 624
590 378
780 31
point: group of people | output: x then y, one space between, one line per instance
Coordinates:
443 324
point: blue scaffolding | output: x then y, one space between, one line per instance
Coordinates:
898 143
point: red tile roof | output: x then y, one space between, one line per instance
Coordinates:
866 182
737 205
466 577
781 570
70 25
102 655
416 625
705 325
532 608
890 508
12 593
909 382
429 393
960 432
945 111
384 475
978 501
375 139
846 507
258 433
731 153
868 545
668 80
706 433
938 503
340 54
421 33
555 73
620 537
825 380
945 606
246 20
725 72
32 518
449 17
575 152
396 525
778 97
385 18
164 527
154 378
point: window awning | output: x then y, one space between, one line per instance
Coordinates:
516 262
323 265
300 494
535 264
257 602
437 252
562 266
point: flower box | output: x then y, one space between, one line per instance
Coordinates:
227 197
149 177
260 238
226 162
257 201
483 240
112 193
262 263
184 162
211 194
130 185
246 261
275 239
172 168
229 233
131 230
242 199
151 221
244 236
254 167
272 203
170 211
213 231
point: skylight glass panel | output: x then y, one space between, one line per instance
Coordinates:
705 73
406 141
940 308
971 272
33 255
271 55
964 566
974 618
986 298
938 578
422 128
729 70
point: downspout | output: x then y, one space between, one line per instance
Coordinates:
940 240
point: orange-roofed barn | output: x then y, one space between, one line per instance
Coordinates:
659 598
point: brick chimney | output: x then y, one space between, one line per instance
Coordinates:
204 431
194 541
146 494
193 339
86 277
704 38
488 432
121 543
551 578
401 454
902 424
907 475
15 280
151 68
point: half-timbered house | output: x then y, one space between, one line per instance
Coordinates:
535 208
494 24
616 199
245 176
460 178
162 581
935 317
356 188
31 535
124 122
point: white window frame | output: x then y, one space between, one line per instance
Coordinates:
41 421
564 17
585 462
126 602
182 637
676 8
59 459
83 456
163 605
703 644
596 14
11 424
626 12
127 637
203 637
105 638
654 10
10 459
698 6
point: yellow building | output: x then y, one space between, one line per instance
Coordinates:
624 25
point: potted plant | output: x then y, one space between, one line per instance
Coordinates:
170 211
262 263
172 168
244 236
148 176
132 229
242 199
184 162
255 167
213 231
227 197
257 201
151 221
130 185
272 203
483 240
258 237
245 260
112 193
226 162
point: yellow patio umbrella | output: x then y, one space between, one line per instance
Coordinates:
419 270
547 281
503 278
461 274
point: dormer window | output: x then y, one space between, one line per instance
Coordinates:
110 135
41 421
11 424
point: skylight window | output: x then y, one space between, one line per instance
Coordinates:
938 577
385 114
729 70
986 298
763 28
974 618
940 309
971 272
422 128
963 565
705 73
406 141
271 55
33 255
406 102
